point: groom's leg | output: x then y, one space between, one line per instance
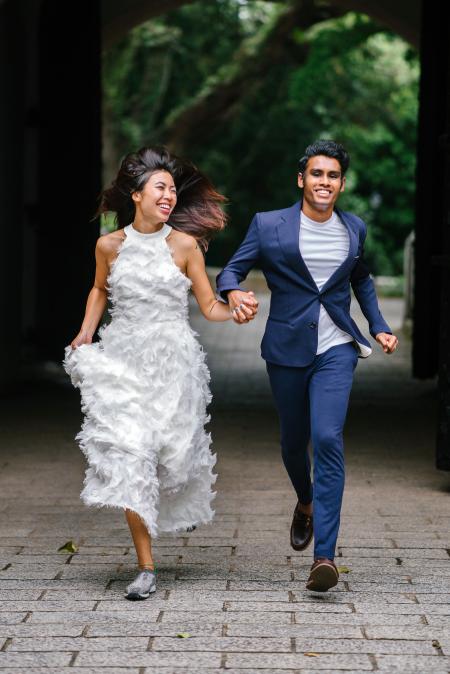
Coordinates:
290 391
329 393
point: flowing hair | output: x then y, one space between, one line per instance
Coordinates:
198 209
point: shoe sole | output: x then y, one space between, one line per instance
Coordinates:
136 596
322 578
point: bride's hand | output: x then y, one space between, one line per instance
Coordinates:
82 338
243 305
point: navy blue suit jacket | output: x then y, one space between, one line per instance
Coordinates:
272 243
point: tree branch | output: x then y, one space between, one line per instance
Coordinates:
217 99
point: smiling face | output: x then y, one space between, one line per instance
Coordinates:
322 183
156 201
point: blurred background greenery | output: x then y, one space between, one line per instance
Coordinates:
240 87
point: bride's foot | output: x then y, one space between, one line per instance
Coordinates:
142 586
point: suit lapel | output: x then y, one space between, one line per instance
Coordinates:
288 232
343 269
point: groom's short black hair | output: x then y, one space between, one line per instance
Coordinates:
328 148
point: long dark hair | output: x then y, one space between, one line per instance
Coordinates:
198 210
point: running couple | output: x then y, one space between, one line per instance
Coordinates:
144 384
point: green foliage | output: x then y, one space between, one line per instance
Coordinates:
163 63
345 78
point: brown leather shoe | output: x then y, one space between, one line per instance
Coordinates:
323 575
301 530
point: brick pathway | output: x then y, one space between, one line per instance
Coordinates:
235 587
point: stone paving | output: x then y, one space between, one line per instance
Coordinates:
235 589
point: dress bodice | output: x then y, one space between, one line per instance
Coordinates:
145 284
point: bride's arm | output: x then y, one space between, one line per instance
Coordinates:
211 308
97 298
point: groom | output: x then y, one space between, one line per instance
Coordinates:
311 254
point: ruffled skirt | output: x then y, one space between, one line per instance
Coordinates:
144 394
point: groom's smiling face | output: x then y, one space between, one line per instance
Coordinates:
322 182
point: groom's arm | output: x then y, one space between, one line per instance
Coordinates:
244 259
364 290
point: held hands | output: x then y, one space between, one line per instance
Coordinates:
243 306
388 342
82 338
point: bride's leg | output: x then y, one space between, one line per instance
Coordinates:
141 539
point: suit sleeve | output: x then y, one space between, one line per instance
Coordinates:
244 259
364 290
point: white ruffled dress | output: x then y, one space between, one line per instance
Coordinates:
144 392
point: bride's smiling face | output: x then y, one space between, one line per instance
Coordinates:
157 199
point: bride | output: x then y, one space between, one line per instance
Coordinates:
144 384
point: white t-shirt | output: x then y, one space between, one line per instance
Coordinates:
324 247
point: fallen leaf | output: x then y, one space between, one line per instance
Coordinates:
311 655
343 569
68 547
183 635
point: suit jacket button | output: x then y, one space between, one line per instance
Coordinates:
313 325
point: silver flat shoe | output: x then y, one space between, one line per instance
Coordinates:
142 586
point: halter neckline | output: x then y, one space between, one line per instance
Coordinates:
160 233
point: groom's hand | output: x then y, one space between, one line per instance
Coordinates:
243 306
388 342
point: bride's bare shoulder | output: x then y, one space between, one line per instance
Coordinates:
185 242
109 244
